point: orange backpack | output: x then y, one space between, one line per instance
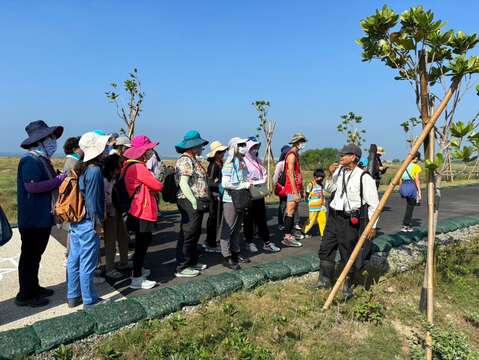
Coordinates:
70 206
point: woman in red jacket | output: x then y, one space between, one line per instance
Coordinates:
141 186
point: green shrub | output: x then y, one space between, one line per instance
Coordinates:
372 312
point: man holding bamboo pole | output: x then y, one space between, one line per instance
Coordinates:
354 201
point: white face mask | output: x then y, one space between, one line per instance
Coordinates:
301 146
242 150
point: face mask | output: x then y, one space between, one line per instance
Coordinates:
301 146
242 150
50 146
255 152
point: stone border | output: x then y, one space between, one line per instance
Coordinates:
48 334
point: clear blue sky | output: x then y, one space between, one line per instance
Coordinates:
202 63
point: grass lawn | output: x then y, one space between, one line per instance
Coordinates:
284 321
8 187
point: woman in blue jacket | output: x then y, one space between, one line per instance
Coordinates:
85 235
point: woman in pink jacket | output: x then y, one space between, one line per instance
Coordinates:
141 186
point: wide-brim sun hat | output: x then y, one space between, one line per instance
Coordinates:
215 147
351 149
191 140
39 130
297 138
235 141
139 146
123 141
93 145
380 150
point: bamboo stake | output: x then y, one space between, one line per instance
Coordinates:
420 140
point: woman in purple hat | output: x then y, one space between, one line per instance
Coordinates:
37 190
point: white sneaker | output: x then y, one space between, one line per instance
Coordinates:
298 227
188 272
199 267
291 243
252 248
405 229
271 247
142 283
281 228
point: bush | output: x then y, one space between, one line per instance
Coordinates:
448 344
319 158
369 312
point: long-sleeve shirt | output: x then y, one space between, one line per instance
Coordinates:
346 185
214 177
235 177
277 171
92 188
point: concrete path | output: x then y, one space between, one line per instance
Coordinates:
161 256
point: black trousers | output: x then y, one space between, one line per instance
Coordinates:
256 216
34 243
213 223
190 231
339 234
142 242
410 204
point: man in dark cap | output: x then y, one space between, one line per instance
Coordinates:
355 198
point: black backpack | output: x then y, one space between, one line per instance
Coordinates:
120 197
170 188
5 228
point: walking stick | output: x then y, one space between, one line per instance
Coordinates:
425 132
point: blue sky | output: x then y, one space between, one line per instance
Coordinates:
202 63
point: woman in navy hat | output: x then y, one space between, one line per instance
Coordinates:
193 202
37 190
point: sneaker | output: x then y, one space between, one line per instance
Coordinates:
199 267
410 229
298 227
252 247
99 301
271 247
97 280
74 302
405 229
308 236
291 242
299 236
142 283
114 274
210 249
188 272
231 264
145 272
35 302
281 228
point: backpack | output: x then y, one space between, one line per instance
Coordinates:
170 188
5 228
120 198
70 205
279 186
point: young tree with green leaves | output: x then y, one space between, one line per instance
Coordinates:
130 112
408 126
349 125
415 45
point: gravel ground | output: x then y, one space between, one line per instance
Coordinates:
397 260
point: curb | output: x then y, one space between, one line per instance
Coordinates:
47 334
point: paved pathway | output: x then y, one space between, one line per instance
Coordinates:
161 256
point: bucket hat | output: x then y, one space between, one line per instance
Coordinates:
139 146
191 140
298 137
123 141
39 130
216 146
93 145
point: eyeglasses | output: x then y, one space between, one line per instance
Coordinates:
242 145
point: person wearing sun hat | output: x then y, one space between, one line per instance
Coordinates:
141 186
215 164
293 187
85 235
37 190
193 202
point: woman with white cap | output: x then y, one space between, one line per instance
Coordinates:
234 178
215 164
85 235
37 188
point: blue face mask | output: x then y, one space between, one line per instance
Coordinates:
50 146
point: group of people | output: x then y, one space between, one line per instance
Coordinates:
119 182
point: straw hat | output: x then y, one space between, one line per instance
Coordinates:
216 146
93 145
380 150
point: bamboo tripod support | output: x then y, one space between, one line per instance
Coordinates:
394 182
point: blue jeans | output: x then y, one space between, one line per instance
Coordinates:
82 261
